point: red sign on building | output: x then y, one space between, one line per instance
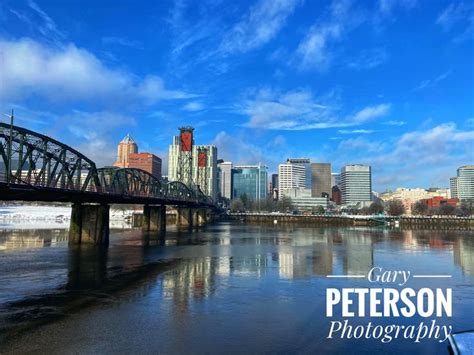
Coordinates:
186 141
202 159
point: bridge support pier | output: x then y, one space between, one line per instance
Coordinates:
89 224
201 216
184 217
154 218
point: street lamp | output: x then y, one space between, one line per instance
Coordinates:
9 153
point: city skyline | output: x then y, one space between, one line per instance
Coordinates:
266 81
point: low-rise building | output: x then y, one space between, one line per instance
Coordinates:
302 200
410 196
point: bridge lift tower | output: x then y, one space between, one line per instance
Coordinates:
185 157
202 179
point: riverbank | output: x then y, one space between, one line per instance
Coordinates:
418 222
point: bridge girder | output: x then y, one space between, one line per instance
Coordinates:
38 161
41 161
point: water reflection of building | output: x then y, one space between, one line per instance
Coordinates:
323 256
464 255
190 280
359 254
31 238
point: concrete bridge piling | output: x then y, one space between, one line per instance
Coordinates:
89 224
154 218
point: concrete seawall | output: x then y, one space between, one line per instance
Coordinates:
321 220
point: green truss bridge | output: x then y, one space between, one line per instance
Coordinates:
34 167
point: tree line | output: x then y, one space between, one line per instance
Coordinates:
392 208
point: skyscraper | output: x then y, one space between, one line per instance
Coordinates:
203 166
306 162
296 173
225 179
250 180
356 184
321 179
462 186
126 147
291 176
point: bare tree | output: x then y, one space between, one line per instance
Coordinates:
446 210
395 208
376 207
237 205
420 208
284 204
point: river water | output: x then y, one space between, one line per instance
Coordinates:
227 288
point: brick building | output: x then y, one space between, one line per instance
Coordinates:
145 161
437 201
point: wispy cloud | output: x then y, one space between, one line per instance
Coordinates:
431 82
387 7
73 74
460 16
368 59
356 131
361 144
46 26
299 110
314 51
260 25
122 41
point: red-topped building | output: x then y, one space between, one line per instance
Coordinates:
437 201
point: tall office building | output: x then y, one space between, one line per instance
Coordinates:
293 175
203 168
250 180
126 147
321 179
306 162
356 185
146 161
462 186
224 171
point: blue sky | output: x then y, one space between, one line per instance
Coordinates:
386 83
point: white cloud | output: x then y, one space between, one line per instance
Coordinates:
314 51
193 106
298 110
370 112
355 131
394 123
72 74
259 26
97 144
429 154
